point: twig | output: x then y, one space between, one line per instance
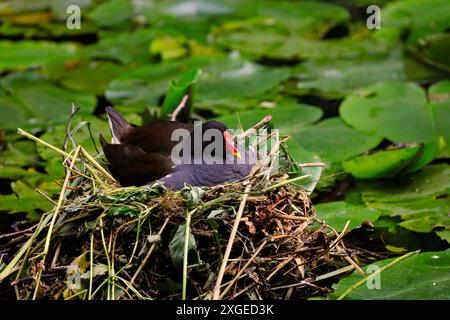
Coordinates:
216 290
285 182
243 269
12 234
173 116
253 129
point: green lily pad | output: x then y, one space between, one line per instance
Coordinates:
334 141
11 172
21 154
391 163
12 113
336 214
85 76
48 103
434 50
266 42
124 47
337 78
433 180
24 199
422 215
288 116
221 79
26 53
420 277
419 17
439 95
113 13
395 110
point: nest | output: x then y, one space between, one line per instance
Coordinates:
256 239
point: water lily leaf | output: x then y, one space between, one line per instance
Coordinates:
48 103
435 51
113 13
26 53
419 17
336 78
85 76
196 8
25 199
334 141
12 113
11 172
391 163
21 154
336 214
439 94
124 47
433 180
383 164
221 79
266 42
287 115
233 78
395 110
168 48
422 215
176 248
423 276
143 86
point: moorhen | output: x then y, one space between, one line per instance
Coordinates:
140 155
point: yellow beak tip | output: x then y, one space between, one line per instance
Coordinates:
237 155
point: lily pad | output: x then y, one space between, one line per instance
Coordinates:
433 180
336 214
334 141
419 17
288 116
425 276
124 47
113 13
395 110
12 113
26 53
221 78
48 103
439 95
336 78
391 163
422 215
85 76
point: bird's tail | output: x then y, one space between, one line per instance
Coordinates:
118 125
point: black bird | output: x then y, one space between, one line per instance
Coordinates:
140 155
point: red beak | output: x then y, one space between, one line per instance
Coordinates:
230 146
